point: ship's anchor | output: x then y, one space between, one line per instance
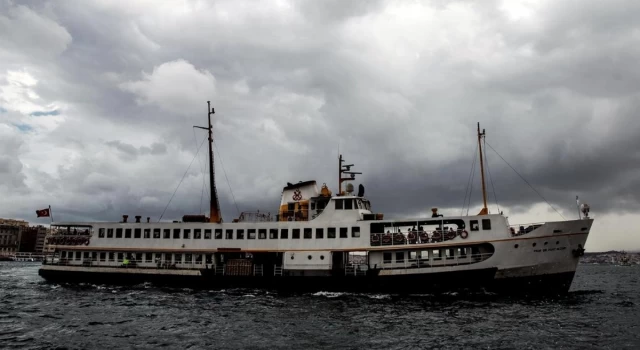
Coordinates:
578 252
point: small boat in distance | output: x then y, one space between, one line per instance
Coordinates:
323 241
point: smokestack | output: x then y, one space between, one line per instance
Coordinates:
124 218
138 218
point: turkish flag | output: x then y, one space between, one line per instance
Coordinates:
42 212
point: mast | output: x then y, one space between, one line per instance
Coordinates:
214 206
484 210
344 169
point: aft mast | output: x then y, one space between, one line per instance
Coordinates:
484 210
214 207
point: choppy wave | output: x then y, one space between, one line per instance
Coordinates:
601 311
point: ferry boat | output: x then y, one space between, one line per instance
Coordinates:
323 241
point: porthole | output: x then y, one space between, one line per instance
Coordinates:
321 257
515 246
545 243
534 244
557 242
292 257
309 257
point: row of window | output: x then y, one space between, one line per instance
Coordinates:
178 258
251 233
435 254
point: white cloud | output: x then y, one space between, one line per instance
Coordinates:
176 86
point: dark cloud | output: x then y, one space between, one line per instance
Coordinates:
396 87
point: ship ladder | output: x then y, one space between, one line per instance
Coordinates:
257 270
219 270
277 270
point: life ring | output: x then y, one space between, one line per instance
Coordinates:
386 238
86 241
464 234
399 237
436 236
290 218
424 237
375 238
411 236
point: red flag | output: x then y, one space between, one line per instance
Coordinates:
43 212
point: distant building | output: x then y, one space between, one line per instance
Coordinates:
32 239
14 222
9 239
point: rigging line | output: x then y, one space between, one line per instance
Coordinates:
471 189
225 176
490 178
527 182
466 191
183 176
202 170
205 187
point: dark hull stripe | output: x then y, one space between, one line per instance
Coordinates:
475 280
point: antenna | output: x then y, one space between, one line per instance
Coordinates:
344 169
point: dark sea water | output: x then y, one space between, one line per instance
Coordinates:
601 312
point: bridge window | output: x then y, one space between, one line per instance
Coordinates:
262 233
229 234
344 232
474 225
147 233
331 232
386 258
176 233
348 204
110 233
118 233
240 234
284 233
486 224
137 233
307 233
127 233
319 233
188 259
339 204
273 233
295 233
197 233
148 257
177 258
166 234
103 256
436 254
101 233
111 256
156 233
186 233
218 233
251 233
400 257
207 234
355 231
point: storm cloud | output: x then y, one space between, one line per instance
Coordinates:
98 100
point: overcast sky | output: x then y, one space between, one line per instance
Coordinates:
98 100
